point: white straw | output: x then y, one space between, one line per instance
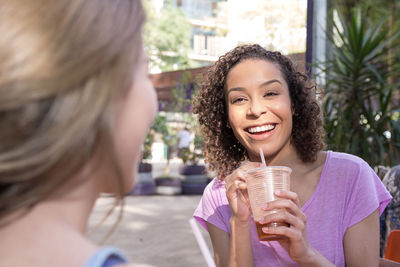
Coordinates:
262 157
202 243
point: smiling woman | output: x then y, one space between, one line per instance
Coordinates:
223 150
254 99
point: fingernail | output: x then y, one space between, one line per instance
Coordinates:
278 192
265 229
265 206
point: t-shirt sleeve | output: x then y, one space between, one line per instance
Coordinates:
213 207
366 194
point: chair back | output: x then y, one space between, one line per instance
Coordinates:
393 246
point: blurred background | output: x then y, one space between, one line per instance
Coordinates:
351 48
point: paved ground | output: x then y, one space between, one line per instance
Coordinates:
154 230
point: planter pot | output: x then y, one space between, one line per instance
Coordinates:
193 188
144 177
168 186
145 167
194 179
144 181
143 188
192 169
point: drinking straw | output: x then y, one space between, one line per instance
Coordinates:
202 243
262 157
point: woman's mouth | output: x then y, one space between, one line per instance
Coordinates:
258 130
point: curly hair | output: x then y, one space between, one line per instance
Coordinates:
222 151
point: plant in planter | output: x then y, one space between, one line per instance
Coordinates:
360 116
165 184
195 177
193 174
144 179
145 184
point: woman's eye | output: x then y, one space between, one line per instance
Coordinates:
270 94
238 100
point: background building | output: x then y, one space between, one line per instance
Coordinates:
216 26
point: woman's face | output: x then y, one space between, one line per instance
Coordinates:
259 107
133 121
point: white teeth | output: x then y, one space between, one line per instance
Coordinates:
261 128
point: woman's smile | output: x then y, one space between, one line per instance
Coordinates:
259 106
261 133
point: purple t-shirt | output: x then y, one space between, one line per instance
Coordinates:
348 191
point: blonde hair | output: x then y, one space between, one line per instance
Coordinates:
61 64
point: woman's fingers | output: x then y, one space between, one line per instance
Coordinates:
284 216
290 204
292 233
240 173
248 165
289 195
235 175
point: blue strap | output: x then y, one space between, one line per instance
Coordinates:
106 257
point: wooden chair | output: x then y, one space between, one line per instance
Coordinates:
393 246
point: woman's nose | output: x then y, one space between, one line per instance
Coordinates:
257 108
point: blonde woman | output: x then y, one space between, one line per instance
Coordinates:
75 107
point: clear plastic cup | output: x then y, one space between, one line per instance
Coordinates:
261 184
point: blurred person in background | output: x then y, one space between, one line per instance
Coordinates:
74 91
185 139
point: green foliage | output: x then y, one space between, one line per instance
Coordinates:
360 118
182 96
197 153
148 142
374 9
167 37
193 157
159 126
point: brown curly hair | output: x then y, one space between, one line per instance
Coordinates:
222 151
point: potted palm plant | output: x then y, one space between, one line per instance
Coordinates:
360 115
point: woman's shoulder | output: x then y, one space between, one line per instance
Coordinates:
215 186
107 257
344 156
214 194
344 169
346 160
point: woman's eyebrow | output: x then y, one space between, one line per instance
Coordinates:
269 82
235 89
261 85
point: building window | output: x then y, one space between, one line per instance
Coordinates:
214 9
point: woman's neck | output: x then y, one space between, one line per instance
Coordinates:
57 227
287 156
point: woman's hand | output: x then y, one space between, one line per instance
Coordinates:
236 192
290 212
